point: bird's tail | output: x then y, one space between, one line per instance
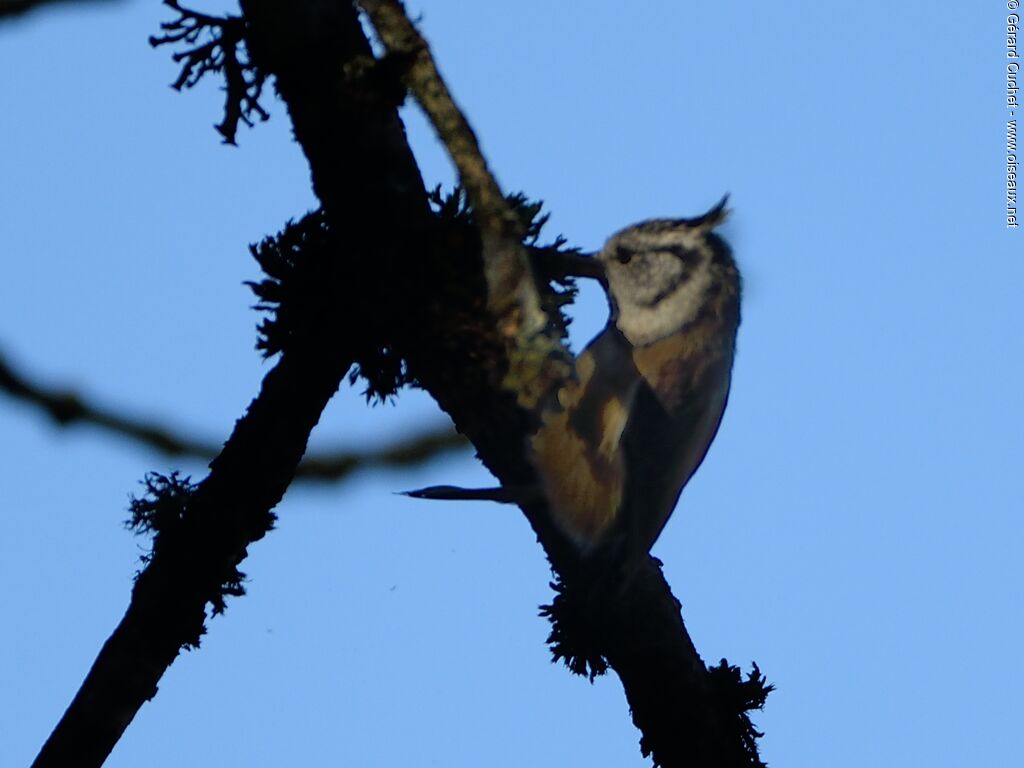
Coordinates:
455 493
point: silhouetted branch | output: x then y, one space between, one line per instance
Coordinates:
195 557
407 451
66 408
18 7
195 562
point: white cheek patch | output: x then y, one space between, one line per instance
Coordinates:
655 302
645 325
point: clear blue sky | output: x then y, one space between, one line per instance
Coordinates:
855 529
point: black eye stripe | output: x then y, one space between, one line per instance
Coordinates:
688 256
668 290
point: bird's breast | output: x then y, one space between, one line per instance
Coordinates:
674 366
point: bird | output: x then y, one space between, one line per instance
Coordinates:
616 445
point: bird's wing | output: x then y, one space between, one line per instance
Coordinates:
577 449
676 414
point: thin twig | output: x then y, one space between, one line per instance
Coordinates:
407 451
18 7
67 408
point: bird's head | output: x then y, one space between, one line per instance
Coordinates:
662 273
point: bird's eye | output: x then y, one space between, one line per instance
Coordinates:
623 255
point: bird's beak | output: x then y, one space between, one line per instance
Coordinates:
572 264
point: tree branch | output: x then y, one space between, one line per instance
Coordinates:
207 528
537 361
407 451
194 561
18 7
67 408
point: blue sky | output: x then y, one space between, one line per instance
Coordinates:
855 528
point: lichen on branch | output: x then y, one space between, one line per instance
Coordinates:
217 46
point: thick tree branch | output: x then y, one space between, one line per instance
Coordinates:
195 556
196 563
66 407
